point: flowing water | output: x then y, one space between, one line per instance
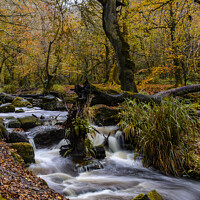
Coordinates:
121 178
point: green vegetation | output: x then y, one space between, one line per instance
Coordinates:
163 134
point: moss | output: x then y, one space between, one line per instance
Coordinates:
1 198
7 108
141 197
20 102
153 195
25 150
3 131
20 111
28 122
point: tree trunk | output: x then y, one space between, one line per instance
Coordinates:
111 28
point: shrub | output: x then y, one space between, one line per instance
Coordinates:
163 134
9 89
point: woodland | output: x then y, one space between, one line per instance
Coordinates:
138 58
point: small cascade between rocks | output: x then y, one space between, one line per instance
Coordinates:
31 141
119 176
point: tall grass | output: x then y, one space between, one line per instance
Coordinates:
163 134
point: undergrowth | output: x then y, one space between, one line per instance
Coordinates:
163 134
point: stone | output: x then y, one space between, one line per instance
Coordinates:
25 150
6 98
6 108
20 102
104 115
19 111
28 122
15 137
46 136
153 195
141 197
14 123
3 132
98 152
49 102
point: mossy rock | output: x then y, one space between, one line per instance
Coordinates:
3 132
25 150
105 115
0 102
7 108
141 197
28 122
20 111
14 123
49 102
153 195
20 102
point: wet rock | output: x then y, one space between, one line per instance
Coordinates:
98 152
19 111
15 137
25 150
89 164
14 123
6 98
5 108
153 195
3 132
49 102
20 102
28 122
105 115
141 197
46 136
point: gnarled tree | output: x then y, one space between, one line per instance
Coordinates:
112 30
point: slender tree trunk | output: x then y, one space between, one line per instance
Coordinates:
111 28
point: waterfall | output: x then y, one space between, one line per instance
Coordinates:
31 141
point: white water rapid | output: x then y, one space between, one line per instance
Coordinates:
122 177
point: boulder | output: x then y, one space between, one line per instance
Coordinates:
15 137
20 102
6 98
153 195
46 136
5 108
28 122
25 150
14 123
3 132
141 197
98 152
105 115
19 111
49 102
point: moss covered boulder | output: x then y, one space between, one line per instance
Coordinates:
6 98
153 195
25 150
28 122
49 102
104 115
20 102
5 108
14 123
3 132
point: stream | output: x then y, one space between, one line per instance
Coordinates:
121 178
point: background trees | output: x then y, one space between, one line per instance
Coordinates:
44 43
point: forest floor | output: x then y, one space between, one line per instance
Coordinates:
17 182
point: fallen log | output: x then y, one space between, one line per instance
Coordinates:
178 91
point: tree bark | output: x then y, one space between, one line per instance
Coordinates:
111 28
178 91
